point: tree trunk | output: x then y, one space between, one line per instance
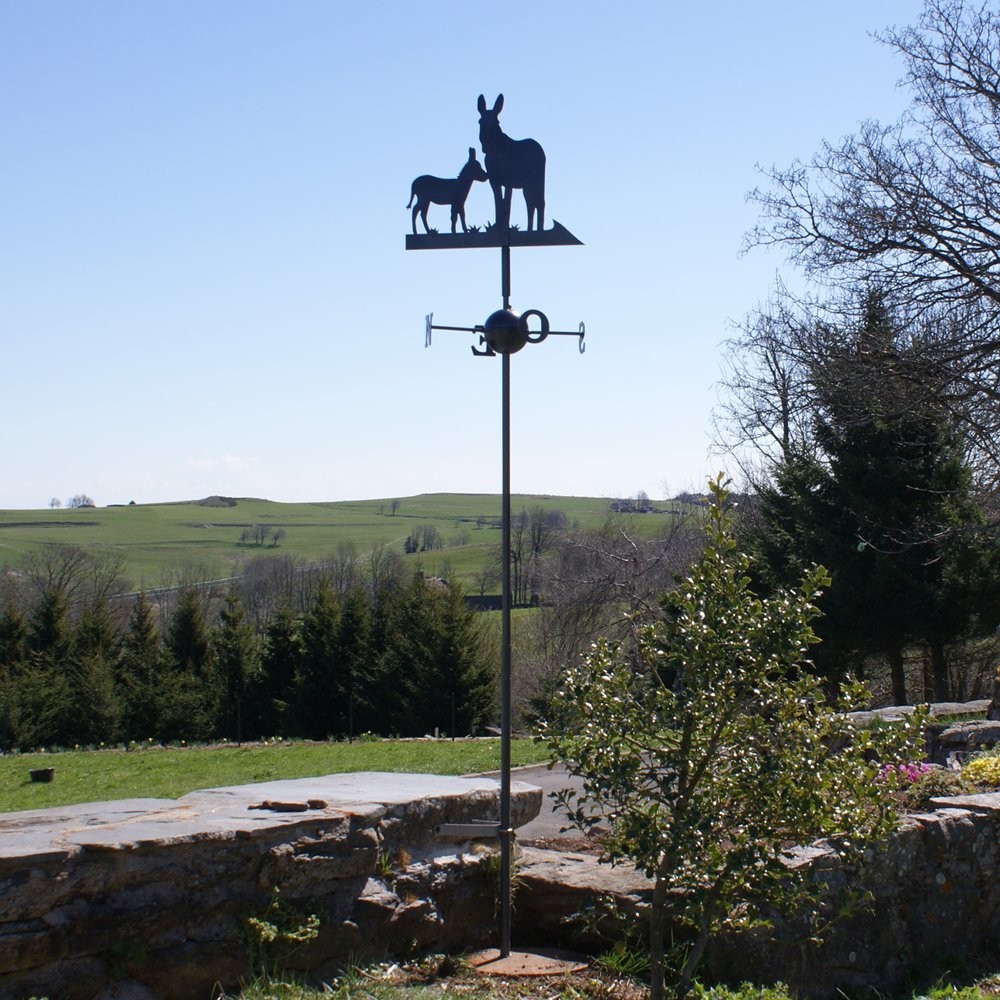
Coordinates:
694 956
939 670
656 932
993 710
895 657
927 675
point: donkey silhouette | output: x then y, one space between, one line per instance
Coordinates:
511 163
430 190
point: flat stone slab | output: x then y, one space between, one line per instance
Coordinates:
239 810
941 708
539 962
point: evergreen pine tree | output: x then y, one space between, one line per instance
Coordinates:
96 631
354 636
43 699
98 710
13 635
236 657
433 665
189 691
418 704
13 657
49 631
386 658
319 694
886 505
187 636
141 669
461 669
280 665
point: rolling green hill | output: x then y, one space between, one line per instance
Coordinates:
203 538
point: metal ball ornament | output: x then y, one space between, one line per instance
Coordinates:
504 331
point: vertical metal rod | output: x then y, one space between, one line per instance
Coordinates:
505 833
505 275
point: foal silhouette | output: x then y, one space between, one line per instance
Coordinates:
511 163
430 190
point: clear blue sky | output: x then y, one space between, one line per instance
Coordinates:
203 281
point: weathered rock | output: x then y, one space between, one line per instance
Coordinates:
951 744
154 894
557 889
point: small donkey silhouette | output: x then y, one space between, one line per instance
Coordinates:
430 190
511 163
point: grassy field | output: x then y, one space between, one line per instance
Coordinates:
169 772
159 541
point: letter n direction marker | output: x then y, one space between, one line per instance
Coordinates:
509 164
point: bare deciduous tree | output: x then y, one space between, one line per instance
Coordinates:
593 582
485 578
344 567
913 203
384 568
794 356
911 207
57 568
80 578
765 399
268 583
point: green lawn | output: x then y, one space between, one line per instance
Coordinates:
159 541
167 772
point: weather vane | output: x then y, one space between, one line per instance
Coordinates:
508 165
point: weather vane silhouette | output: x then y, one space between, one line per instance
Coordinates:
510 164
430 190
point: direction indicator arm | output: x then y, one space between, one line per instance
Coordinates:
523 333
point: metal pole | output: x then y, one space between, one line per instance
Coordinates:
505 274
504 335
505 833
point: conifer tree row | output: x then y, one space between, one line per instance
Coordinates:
404 657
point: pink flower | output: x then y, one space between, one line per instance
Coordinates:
908 772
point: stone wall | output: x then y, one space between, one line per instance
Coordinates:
935 908
151 897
